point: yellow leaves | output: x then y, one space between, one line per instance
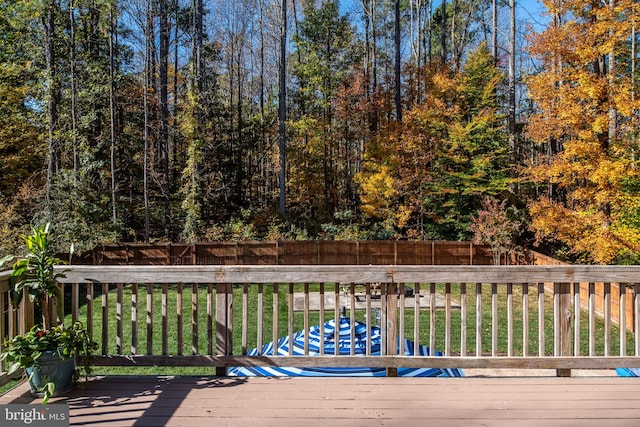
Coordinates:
377 190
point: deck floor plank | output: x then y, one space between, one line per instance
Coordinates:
196 401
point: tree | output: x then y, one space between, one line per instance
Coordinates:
591 201
326 41
450 151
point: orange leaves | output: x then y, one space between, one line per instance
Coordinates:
586 122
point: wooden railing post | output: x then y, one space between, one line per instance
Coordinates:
224 317
392 326
562 313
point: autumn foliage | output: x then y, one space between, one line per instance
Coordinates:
585 128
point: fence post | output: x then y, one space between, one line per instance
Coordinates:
392 325
562 313
224 329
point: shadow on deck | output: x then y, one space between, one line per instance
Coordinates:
470 401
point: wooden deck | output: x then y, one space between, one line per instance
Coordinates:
335 402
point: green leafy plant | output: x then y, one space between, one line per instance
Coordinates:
23 351
35 273
36 276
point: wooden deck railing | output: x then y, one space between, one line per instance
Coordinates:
478 316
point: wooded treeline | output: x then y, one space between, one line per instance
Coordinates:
189 120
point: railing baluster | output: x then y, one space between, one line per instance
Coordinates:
245 318
525 319
105 319
194 318
165 318
622 305
592 319
336 317
463 319
576 319
321 319
607 319
447 319
210 319
478 320
401 319
556 320
494 319
75 301
149 319
352 316
260 316
636 312
275 318
119 319
179 318
510 319
383 319
541 334
290 325
306 319
416 318
90 314
432 318
367 291
134 318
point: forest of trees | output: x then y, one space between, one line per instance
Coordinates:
194 120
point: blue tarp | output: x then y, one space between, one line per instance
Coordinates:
328 330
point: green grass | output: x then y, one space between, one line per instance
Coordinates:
267 336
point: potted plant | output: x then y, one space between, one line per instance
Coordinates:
48 353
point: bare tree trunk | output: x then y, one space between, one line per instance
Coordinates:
112 111
397 67
494 32
454 53
512 78
164 111
147 83
174 134
282 107
613 114
429 32
443 30
53 93
74 86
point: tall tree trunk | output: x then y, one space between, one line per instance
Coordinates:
429 32
282 107
443 31
53 93
454 52
512 79
174 134
494 30
147 82
397 66
164 112
74 86
112 111
613 114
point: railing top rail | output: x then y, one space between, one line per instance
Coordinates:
349 274
5 280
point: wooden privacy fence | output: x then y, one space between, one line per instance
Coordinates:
478 316
314 252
